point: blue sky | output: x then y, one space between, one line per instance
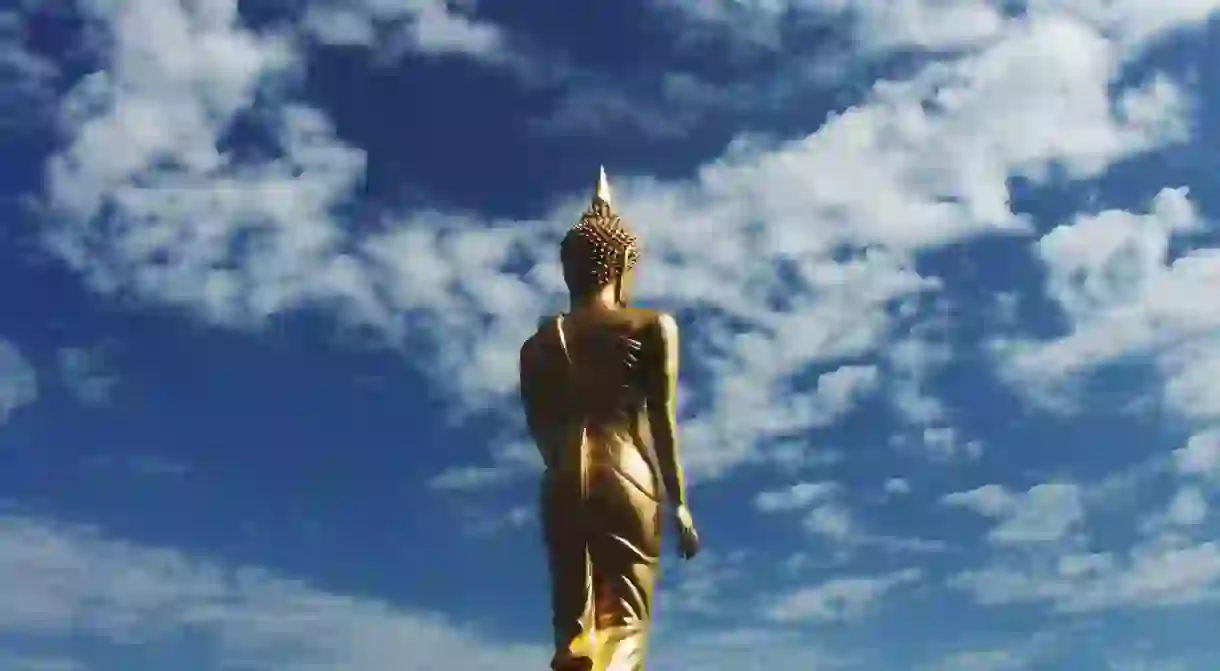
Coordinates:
945 272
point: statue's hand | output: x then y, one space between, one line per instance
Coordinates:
688 538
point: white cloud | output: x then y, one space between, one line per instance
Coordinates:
1043 514
943 443
63 582
481 520
839 599
879 26
751 397
796 497
470 477
886 173
912 360
1043 554
26 78
664 105
1158 573
795 454
826 515
1034 652
1126 296
60 582
897 487
510 460
336 25
989 500
831 520
840 390
18 381
433 27
1103 261
703 587
175 81
1188 508
1200 456
831 220
85 373
1131 298
935 25
1135 24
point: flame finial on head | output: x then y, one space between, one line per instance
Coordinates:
603 187
600 247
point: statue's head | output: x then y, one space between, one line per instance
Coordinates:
599 251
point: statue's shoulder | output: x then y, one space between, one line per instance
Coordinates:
666 322
667 329
654 325
546 328
534 341
546 321
656 319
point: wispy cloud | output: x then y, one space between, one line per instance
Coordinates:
1043 514
397 27
61 582
18 381
1128 294
800 265
1030 653
668 108
64 582
1171 561
928 25
839 599
897 487
510 460
1161 572
905 170
796 497
825 514
86 375
26 78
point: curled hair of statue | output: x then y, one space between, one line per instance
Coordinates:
600 248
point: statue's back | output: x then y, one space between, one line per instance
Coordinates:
590 375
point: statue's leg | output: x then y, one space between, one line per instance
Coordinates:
571 580
624 547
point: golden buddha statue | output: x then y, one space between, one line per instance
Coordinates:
599 389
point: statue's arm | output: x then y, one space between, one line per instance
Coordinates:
663 408
530 401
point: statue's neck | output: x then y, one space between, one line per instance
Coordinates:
603 299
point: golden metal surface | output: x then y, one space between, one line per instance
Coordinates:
599 386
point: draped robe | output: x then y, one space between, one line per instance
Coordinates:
584 390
